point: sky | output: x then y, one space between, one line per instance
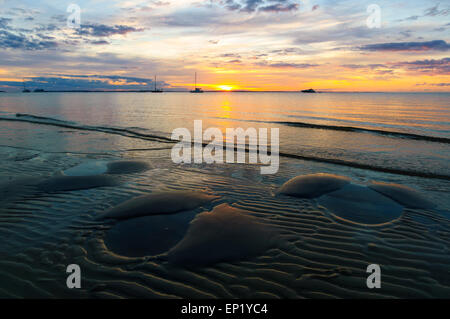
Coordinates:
260 45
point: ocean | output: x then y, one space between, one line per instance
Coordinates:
319 251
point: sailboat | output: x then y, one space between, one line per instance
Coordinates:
196 89
156 90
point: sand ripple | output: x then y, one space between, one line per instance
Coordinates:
313 255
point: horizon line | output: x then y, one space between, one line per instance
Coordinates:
218 91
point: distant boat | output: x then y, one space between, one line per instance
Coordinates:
39 90
308 91
155 90
196 89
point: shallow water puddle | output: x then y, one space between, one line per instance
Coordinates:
404 195
148 235
127 167
71 183
376 204
88 169
154 223
361 205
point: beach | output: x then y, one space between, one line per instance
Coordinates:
77 168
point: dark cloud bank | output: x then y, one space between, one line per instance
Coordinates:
437 45
67 82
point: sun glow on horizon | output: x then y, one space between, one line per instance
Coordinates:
225 87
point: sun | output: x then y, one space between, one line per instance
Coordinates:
225 87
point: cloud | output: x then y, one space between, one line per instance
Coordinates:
47 27
68 82
145 6
161 3
287 65
430 12
43 36
60 61
197 18
229 55
99 42
433 84
4 22
38 38
21 12
111 77
102 30
437 45
434 11
441 29
411 18
406 33
287 51
278 7
337 33
250 6
440 66
374 68
431 66
10 40
363 66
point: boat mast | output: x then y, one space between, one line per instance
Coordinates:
196 80
155 82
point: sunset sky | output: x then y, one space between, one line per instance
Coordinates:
232 44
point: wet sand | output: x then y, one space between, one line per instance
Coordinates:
185 245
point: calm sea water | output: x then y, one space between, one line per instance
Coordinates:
350 127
